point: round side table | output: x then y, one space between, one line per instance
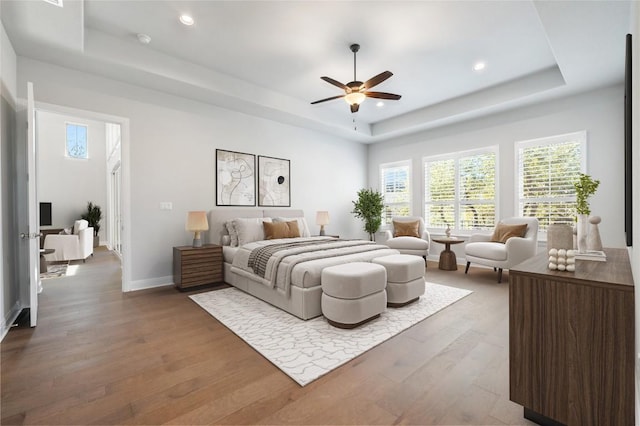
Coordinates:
447 257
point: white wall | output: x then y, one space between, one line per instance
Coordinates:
172 150
10 305
600 113
69 183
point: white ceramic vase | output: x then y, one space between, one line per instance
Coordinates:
582 231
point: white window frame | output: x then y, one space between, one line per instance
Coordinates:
403 163
456 156
579 136
66 150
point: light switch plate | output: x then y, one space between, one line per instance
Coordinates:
166 205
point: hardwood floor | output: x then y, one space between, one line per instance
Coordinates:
99 356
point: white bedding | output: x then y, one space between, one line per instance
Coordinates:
297 267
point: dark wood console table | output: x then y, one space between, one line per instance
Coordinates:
571 341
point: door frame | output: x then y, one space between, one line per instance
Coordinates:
125 195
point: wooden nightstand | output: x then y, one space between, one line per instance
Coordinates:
196 266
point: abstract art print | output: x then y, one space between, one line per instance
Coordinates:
274 188
235 178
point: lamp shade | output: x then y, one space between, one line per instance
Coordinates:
197 221
322 218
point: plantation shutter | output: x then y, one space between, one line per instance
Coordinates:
546 173
395 184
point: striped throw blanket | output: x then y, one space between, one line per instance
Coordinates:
259 257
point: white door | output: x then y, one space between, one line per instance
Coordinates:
33 236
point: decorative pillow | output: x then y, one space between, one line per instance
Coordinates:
503 232
406 229
66 231
302 224
250 229
226 240
277 230
233 235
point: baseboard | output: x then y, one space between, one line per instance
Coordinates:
9 319
150 283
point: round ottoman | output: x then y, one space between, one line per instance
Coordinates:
405 278
353 293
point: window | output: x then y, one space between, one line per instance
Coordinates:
547 169
76 145
395 184
460 190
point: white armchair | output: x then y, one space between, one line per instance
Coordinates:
78 245
399 239
503 255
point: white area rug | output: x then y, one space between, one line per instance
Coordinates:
306 350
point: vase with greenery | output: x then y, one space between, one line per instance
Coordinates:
585 187
93 215
369 207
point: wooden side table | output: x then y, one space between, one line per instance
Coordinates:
196 266
447 256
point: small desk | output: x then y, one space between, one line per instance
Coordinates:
447 257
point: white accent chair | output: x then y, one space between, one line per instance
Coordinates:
409 245
481 250
76 246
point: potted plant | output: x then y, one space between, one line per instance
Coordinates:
585 187
93 215
369 207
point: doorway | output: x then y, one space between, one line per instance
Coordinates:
100 177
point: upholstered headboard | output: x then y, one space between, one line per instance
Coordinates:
218 217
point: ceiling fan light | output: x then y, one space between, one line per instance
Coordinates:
354 98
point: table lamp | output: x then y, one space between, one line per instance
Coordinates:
197 222
322 219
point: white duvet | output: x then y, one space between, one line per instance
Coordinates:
299 267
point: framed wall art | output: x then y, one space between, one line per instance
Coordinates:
274 187
235 178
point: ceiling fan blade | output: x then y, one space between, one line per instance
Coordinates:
335 82
383 95
327 99
374 81
354 107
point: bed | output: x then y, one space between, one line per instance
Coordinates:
290 280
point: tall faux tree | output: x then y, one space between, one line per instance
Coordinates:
369 207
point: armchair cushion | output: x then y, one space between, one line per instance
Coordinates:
489 250
408 243
503 232
406 229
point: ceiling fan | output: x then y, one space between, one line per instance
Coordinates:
356 91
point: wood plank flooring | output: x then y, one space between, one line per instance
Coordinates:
99 356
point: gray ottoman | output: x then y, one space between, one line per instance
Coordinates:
405 278
353 293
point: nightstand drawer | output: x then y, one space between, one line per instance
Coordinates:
195 266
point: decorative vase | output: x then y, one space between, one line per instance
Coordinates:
447 231
582 231
559 236
593 239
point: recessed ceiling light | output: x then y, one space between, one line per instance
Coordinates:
479 66
187 20
144 38
380 104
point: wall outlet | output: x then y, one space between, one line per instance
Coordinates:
166 205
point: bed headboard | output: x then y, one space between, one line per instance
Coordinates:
218 217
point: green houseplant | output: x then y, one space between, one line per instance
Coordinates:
585 187
369 207
93 215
